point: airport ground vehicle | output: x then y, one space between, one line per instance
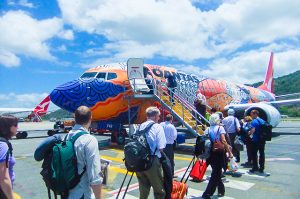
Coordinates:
62 126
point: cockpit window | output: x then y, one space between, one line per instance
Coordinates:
101 76
88 75
111 76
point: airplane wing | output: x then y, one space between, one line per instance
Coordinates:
287 95
285 102
13 111
274 103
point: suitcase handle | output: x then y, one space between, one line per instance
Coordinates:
192 161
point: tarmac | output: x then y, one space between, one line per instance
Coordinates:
282 163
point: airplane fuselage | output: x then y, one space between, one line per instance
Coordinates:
104 90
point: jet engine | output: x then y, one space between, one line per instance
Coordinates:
267 112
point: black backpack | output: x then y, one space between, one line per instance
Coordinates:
265 131
137 151
172 82
201 145
9 151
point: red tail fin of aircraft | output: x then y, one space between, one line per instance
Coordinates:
268 84
42 108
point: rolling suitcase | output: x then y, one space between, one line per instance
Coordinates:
198 170
180 188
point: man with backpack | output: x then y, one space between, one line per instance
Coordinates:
153 177
258 143
88 159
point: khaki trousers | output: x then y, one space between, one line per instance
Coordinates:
153 177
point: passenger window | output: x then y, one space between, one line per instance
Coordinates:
88 75
101 76
111 76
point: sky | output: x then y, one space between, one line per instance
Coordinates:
46 43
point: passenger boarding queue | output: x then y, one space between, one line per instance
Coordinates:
160 139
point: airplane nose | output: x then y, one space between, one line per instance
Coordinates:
88 92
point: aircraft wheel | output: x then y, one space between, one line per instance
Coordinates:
24 135
19 135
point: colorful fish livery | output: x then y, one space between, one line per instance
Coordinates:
104 89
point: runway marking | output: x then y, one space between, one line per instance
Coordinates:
196 194
119 170
182 158
136 185
235 184
278 159
113 175
120 160
187 144
128 196
17 196
244 172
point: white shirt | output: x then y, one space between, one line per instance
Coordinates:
229 124
87 152
201 97
155 137
170 132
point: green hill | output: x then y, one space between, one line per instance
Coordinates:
58 114
287 84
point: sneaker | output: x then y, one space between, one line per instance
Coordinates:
253 170
261 170
247 165
206 197
221 195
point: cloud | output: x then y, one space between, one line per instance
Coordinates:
179 29
26 100
8 59
66 34
23 3
23 35
250 67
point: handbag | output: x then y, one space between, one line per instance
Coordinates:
218 146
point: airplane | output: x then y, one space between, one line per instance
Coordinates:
105 90
33 114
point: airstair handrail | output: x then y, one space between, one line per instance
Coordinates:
159 90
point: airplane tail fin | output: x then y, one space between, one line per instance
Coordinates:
42 108
268 84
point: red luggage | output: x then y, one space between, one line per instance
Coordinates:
198 170
179 190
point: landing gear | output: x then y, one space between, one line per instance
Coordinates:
22 135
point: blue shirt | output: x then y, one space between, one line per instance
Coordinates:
231 124
215 132
256 123
11 160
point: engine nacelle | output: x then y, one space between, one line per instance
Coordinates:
267 112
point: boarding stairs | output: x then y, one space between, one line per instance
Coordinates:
182 109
